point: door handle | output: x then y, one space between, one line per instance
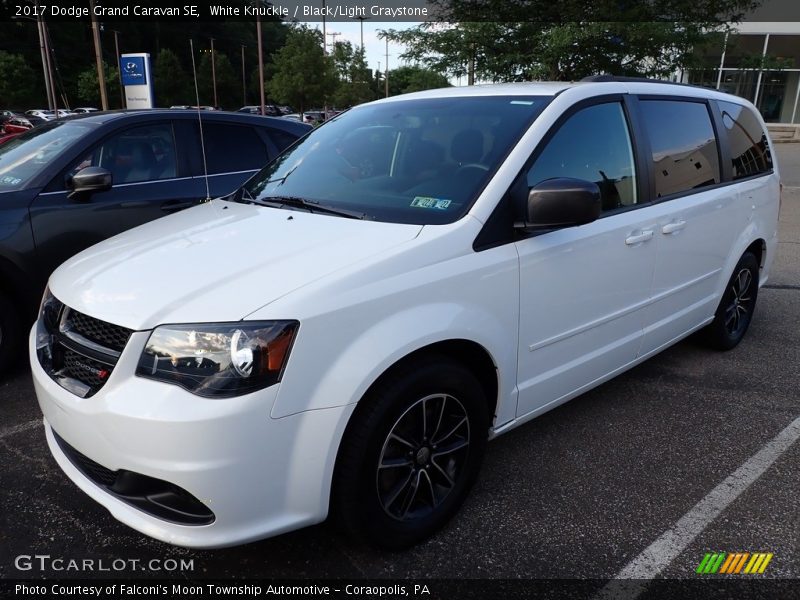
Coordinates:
673 227
175 206
638 238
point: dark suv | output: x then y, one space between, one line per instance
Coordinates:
73 182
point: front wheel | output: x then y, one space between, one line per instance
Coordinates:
11 347
411 453
735 310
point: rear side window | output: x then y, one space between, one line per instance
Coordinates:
231 148
683 143
281 139
593 145
748 141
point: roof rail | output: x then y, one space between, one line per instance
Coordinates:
603 78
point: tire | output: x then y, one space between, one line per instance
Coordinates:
10 335
399 479
735 310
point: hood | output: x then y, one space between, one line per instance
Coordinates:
216 262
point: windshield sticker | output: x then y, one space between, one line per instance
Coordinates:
426 202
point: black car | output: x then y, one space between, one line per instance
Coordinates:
73 182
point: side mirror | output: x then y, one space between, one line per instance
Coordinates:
89 180
561 202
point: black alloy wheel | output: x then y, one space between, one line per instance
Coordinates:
410 453
736 308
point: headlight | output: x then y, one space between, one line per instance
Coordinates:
50 310
218 360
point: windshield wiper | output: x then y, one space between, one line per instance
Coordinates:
309 205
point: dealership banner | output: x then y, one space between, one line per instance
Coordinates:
432 589
353 10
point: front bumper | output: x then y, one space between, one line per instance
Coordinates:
258 475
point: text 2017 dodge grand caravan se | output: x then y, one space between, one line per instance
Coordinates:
412 278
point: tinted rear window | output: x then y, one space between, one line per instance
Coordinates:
281 139
684 146
231 148
748 141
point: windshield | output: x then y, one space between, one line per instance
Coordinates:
413 161
23 157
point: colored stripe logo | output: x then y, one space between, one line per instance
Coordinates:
734 563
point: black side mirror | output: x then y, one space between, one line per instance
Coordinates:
561 202
89 180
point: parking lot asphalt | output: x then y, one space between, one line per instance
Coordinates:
580 492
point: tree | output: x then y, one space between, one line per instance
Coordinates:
16 80
568 40
355 78
89 89
172 85
303 75
413 78
229 87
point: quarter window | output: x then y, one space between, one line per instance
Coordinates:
231 148
593 145
750 153
685 155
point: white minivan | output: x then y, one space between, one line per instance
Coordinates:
344 334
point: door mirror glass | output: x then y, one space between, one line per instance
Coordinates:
561 202
88 181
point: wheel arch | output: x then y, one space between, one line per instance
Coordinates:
468 353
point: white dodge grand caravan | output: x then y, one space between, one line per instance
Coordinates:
414 277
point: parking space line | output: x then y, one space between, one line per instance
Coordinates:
4 433
634 577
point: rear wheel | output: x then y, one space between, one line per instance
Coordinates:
735 310
411 453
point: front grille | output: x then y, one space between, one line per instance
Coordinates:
86 370
79 352
105 334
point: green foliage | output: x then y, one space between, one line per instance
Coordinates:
74 52
229 87
414 78
355 78
89 89
569 40
172 85
303 76
16 80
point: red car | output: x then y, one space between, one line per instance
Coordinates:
12 128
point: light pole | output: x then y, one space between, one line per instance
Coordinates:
119 71
260 65
361 22
324 35
244 81
98 55
213 73
386 77
333 35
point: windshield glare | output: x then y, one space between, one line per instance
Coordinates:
23 157
413 161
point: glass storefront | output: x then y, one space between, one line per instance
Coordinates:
775 92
